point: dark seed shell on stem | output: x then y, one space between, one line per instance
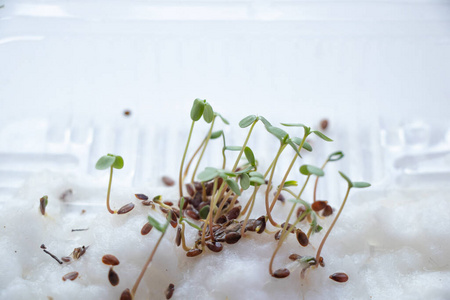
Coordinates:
295 256
300 211
146 228
113 277
339 277
302 238
193 252
190 189
281 273
126 295
214 246
164 210
147 202
169 291
178 237
70 276
109 259
232 237
321 262
319 205
186 202
168 181
234 213
289 225
168 203
125 209
141 196
328 210
277 235
260 224
280 197
42 205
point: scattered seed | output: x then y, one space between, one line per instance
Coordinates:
148 203
186 202
232 237
113 277
328 210
190 189
193 252
164 210
146 228
169 291
339 277
168 181
214 246
141 196
281 273
192 214
295 257
260 224
78 252
42 204
302 238
127 113
126 295
168 203
178 237
64 196
126 208
234 213
43 246
109 259
319 205
324 124
83 211
70 276
66 259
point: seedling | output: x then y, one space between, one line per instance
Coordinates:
112 161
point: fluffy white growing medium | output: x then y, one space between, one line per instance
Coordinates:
392 246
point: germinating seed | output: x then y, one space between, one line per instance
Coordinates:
66 259
234 213
192 214
190 189
193 252
328 210
126 208
339 277
146 228
141 196
300 211
70 276
302 238
232 237
147 202
113 277
126 295
321 262
169 291
214 246
281 273
319 205
168 181
294 256
109 259
178 237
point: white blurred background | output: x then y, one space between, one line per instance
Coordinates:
379 71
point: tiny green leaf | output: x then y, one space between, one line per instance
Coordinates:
234 186
208 174
256 174
350 183
192 224
257 181
264 120
118 163
245 170
361 184
197 109
290 183
208 113
335 156
307 146
105 162
233 148
250 156
216 134
244 181
277 132
155 224
311 170
247 121
291 143
229 174
203 213
222 118
322 136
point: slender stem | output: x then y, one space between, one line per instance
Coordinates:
147 263
183 240
268 211
317 180
332 225
222 204
180 179
209 213
109 191
192 159
294 205
249 212
243 146
208 137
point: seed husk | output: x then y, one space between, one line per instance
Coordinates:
281 273
260 224
321 262
64 196
178 237
192 214
78 252
214 246
300 211
66 259
127 113
319 205
302 238
190 189
146 228
126 295
43 247
328 210
277 235
280 197
168 181
295 257
289 225
193 252
324 124
141 196
234 213
168 203
113 277
109 259
232 237
148 203
169 291
125 209
198 186
186 202
70 276
339 277
42 204
222 219
164 210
